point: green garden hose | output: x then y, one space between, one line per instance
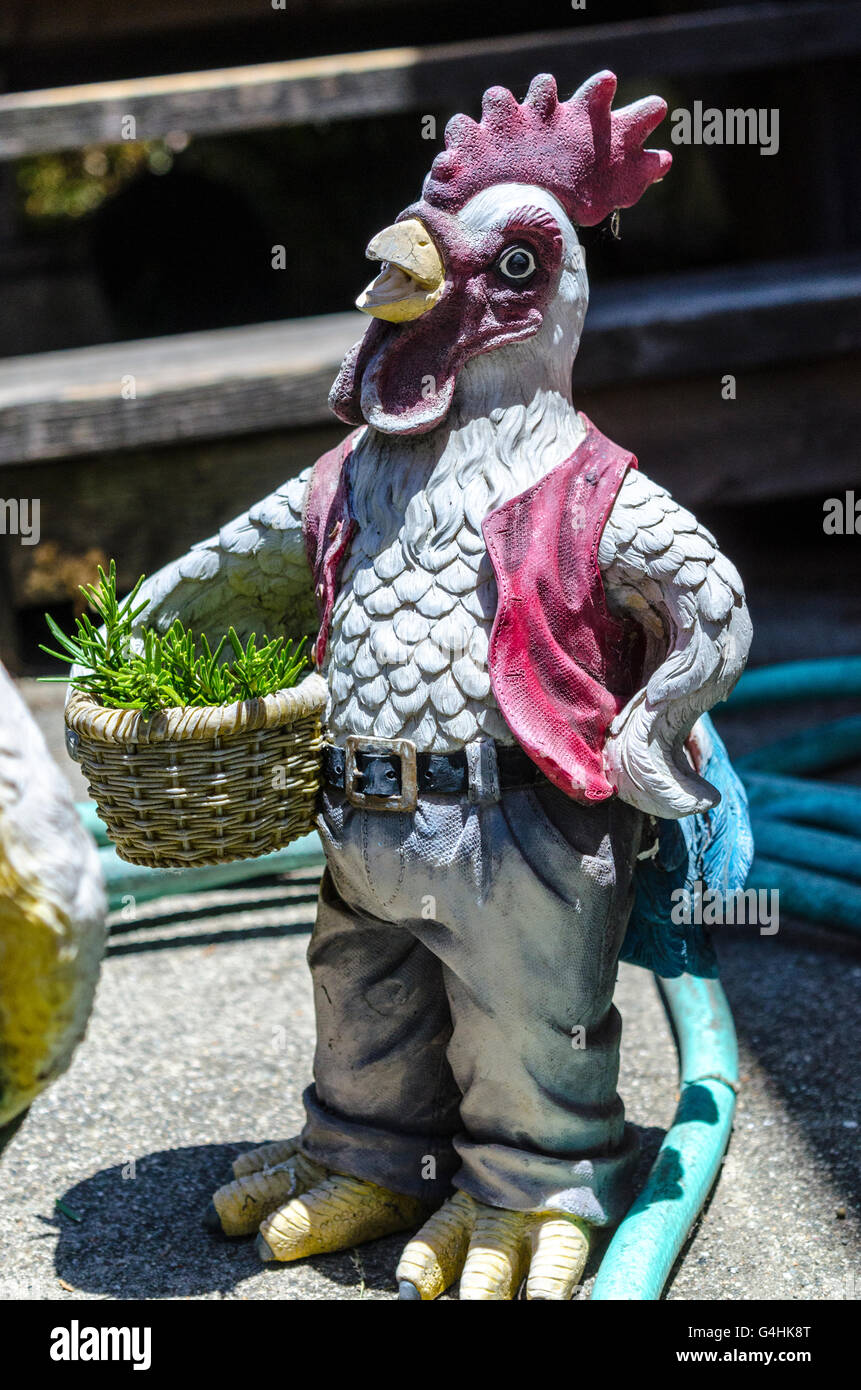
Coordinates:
644 1249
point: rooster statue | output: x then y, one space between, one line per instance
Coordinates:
519 633
52 915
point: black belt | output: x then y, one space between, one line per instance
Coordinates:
387 774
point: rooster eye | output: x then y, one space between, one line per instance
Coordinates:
517 264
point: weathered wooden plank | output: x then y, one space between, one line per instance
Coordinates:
240 381
792 430
722 320
141 507
192 386
423 78
53 21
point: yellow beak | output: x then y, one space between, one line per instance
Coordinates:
412 276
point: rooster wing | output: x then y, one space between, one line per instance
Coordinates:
662 568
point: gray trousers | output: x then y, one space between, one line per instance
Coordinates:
463 961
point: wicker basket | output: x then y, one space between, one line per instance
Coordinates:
203 786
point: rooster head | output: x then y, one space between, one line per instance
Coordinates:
477 262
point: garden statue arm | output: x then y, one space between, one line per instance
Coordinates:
662 568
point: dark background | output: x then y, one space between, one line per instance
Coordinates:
179 250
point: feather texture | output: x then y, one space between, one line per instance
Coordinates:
418 586
669 572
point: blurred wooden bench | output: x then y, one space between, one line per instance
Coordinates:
276 376
347 86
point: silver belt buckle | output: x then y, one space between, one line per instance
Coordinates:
401 748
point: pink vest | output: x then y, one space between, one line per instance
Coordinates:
561 668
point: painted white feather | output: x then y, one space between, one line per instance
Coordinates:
366 663
446 696
453 632
410 627
426 732
409 704
341 684
357 621
385 645
382 603
410 585
473 680
389 563
364 580
430 659
374 692
436 602
478 645
473 605
387 722
458 578
407 677
460 729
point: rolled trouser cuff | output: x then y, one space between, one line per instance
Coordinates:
413 1164
599 1189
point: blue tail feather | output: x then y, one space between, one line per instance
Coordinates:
714 848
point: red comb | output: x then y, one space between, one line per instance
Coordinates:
587 156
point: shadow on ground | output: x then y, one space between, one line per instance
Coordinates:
273 932
794 998
142 1237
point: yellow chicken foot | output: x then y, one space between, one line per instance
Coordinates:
333 1215
302 1208
264 1179
491 1250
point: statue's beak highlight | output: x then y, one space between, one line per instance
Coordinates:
412 277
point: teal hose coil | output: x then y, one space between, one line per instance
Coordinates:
126 882
828 804
835 677
816 872
806 832
639 1258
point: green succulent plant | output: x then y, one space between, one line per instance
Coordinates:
165 670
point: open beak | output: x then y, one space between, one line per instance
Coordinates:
412 276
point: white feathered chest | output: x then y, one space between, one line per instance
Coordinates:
412 620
